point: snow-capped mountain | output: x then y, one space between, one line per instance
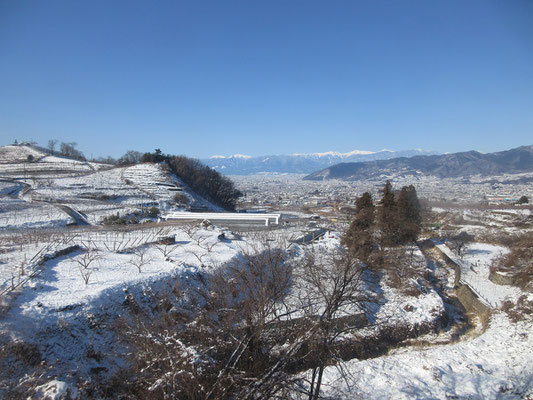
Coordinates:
243 156
299 163
452 165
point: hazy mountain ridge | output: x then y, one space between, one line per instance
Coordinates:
443 166
298 163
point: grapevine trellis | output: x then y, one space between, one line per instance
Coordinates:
119 241
57 243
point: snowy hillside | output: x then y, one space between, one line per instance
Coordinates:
53 191
494 364
27 162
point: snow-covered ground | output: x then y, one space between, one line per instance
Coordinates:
496 365
53 309
475 267
59 308
17 154
22 215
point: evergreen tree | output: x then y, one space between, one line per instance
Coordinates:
359 236
364 211
387 217
408 215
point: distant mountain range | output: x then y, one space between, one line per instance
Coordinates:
443 166
239 164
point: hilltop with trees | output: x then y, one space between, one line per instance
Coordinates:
205 181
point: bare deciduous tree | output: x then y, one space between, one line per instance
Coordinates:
260 318
332 288
459 241
52 145
167 249
140 258
85 262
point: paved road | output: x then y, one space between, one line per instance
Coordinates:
19 191
23 188
78 217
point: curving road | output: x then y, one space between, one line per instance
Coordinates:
23 188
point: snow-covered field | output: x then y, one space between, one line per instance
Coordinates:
69 318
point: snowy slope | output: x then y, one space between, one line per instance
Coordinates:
475 267
95 193
498 364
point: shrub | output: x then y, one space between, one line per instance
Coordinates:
116 219
459 241
518 263
519 311
153 212
180 198
523 200
231 334
218 346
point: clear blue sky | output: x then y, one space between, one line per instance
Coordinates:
267 77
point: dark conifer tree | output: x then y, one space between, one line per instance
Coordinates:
364 211
359 237
387 217
408 210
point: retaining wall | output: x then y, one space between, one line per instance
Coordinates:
466 296
501 279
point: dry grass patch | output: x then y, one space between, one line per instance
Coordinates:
518 263
519 311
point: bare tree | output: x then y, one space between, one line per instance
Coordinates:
52 145
131 157
204 241
220 349
332 288
198 234
260 318
167 249
140 258
459 241
85 262
85 273
403 268
69 150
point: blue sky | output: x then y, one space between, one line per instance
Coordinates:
267 77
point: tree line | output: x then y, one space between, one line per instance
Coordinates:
204 180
